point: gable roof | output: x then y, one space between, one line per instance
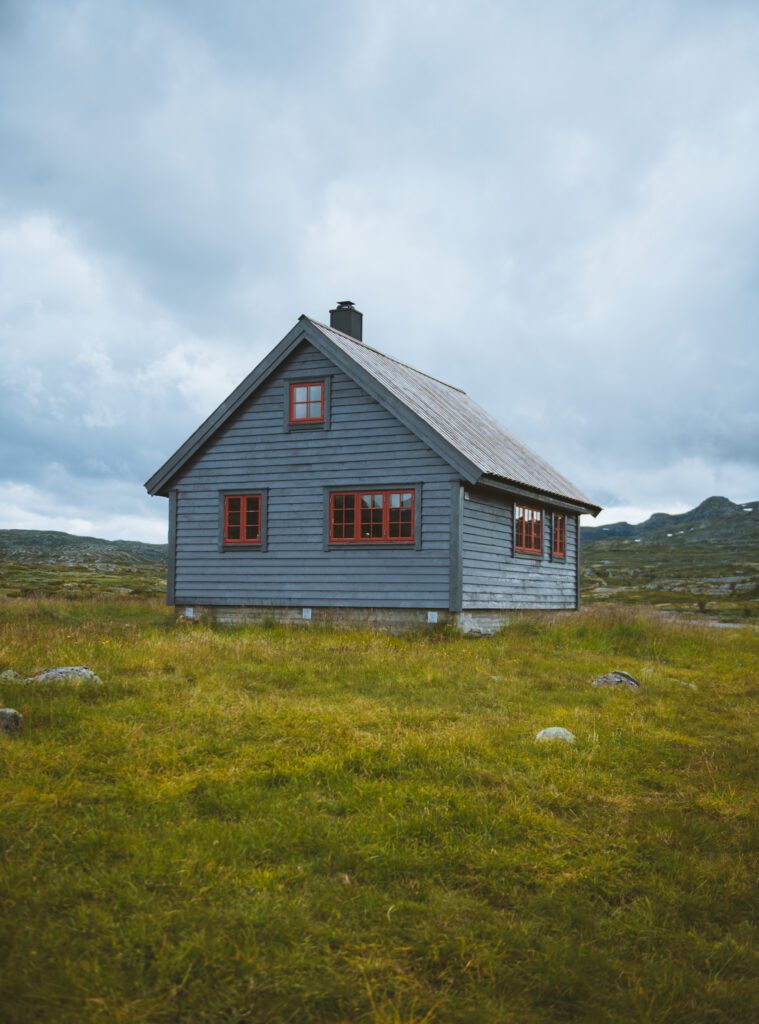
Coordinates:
444 416
460 420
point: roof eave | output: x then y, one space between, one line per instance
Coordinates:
519 489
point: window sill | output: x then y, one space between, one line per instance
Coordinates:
313 425
383 545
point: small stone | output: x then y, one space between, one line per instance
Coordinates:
67 674
11 676
688 686
555 732
10 721
617 679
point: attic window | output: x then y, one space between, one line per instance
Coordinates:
307 402
559 535
242 519
529 530
372 517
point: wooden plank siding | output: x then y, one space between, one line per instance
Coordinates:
494 576
364 446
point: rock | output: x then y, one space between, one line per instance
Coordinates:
617 679
69 674
555 732
10 721
11 676
688 686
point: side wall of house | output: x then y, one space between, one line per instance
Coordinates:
495 576
363 446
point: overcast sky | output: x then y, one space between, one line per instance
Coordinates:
553 205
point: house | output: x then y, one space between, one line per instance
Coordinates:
337 483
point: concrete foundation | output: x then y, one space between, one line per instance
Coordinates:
482 622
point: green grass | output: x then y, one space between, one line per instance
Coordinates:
270 825
30 579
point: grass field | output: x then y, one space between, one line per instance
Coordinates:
267 825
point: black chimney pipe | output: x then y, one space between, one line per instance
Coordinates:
346 318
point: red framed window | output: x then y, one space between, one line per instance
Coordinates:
559 535
372 517
242 519
529 529
307 402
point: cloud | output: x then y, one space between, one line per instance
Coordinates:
102 508
550 206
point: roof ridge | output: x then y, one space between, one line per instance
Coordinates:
384 355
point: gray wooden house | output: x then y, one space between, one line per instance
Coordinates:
337 483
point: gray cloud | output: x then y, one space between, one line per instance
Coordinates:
555 207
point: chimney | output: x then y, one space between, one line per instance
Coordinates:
346 318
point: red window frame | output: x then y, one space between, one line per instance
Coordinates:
308 402
529 529
559 535
247 503
352 525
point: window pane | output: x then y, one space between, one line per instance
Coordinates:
371 516
314 410
300 411
233 526
343 516
529 529
300 393
315 393
401 519
252 517
559 534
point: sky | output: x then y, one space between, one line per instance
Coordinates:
554 206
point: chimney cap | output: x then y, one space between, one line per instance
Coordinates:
346 304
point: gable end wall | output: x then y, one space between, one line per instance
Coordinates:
364 446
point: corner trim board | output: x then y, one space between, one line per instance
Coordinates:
577 563
171 573
456 584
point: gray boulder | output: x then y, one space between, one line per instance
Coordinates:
617 679
10 721
555 732
11 676
67 674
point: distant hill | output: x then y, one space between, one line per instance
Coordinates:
47 561
706 559
716 519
